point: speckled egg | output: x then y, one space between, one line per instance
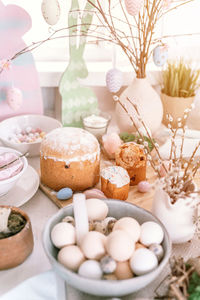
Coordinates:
64 194
93 245
144 186
94 193
71 257
130 226
97 209
143 261
51 11
157 249
108 264
90 269
160 55
14 98
63 234
123 270
151 233
120 245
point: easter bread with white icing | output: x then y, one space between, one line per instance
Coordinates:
115 182
69 157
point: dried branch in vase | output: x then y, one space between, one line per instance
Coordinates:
178 181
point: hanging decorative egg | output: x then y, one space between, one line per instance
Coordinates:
114 80
51 11
160 55
133 6
14 98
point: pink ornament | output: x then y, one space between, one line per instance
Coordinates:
14 98
144 187
114 80
133 6
94 193
111 143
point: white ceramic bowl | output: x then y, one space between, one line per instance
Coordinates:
106 288
8 127
8 184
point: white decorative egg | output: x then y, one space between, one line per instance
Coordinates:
133 6
90 269
97 209
51 11
71 257
130 226
93 245
160 55
151 233
143 261
114 80
14 98
63 234
120 245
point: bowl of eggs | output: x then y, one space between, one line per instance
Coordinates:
25 133
121 250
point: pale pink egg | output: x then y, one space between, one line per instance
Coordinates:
133 6
14 98
111 143
164 167
144 186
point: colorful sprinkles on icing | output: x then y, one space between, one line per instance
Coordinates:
116 175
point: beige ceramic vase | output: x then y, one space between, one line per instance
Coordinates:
15 249
175 106
148 103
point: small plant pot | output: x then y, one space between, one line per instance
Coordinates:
15 249
175 106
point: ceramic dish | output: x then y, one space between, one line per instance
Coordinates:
8 127
15 249
8 184
24 189
117 209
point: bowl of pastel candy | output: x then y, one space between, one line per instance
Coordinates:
107 248
12 166
25 133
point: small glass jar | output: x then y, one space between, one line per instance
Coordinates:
96 124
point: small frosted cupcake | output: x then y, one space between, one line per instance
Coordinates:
131 157
115 182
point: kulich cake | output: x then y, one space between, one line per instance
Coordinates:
69 157
115 182
131 157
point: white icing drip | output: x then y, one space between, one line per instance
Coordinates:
69 140
91 157
116 175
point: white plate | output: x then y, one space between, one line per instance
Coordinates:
24 189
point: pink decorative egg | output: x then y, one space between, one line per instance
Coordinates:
164 167
94 193
114 80
111 143
133 6
144 186
14 98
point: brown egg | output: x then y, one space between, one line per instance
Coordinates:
138 246
123 270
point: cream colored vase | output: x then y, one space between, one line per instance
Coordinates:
178 218
148 103
175 106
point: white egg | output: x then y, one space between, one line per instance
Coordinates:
71 257
151 233
120 245
63 234
130 225
90 269
97 209
93 245
143 261
51 11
